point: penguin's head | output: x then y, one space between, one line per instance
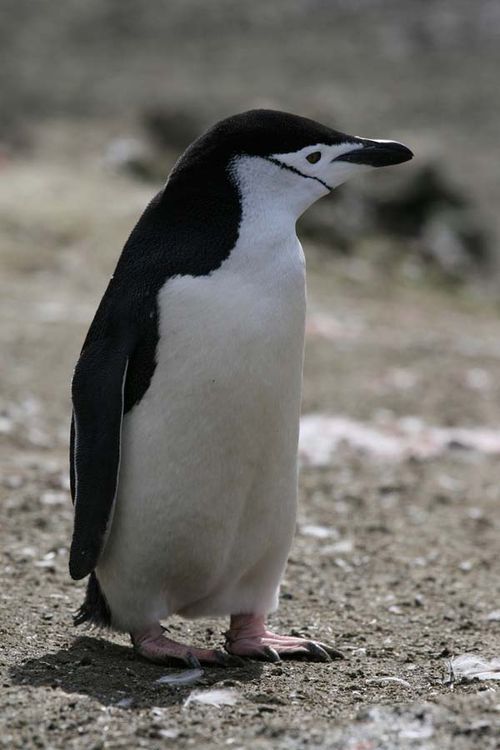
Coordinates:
288 160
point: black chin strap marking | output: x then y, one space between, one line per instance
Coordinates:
296 171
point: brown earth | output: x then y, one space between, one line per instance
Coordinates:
402 577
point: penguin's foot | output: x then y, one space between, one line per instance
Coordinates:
152 644
248 636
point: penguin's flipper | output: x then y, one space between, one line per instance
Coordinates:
98 398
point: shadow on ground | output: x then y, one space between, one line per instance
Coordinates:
111 673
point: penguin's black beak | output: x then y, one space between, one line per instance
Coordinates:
377 153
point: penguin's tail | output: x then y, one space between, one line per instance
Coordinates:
95 609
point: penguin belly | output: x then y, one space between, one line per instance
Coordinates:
206 503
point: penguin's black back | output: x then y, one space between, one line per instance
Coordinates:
185 230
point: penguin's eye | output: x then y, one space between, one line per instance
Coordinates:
314 157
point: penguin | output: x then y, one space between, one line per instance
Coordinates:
186 395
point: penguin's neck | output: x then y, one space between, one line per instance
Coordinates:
276 195
271 202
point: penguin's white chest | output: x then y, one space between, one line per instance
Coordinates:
206 506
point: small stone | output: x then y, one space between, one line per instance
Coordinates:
125 702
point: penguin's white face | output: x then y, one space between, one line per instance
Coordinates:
323 167
293 181
321 162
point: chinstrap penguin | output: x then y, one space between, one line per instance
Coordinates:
186 395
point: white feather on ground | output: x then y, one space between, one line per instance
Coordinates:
217 697
471 666
182 677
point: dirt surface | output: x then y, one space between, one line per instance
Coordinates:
396 562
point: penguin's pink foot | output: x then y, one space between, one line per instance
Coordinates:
248 636
152 644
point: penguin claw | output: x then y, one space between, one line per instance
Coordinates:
266 653
191 661
317 652
334 653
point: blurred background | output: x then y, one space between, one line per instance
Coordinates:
133 83
402 379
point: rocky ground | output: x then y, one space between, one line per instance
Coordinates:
395 559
